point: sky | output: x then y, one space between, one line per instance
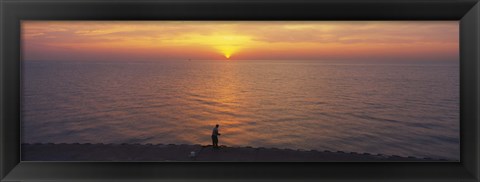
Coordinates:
240 40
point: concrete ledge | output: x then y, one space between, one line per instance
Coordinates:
173 152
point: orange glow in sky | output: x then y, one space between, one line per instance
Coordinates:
240 40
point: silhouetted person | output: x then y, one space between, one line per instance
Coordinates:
215 135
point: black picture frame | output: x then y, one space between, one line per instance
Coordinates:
13 11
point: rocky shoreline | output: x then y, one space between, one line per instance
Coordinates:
182 153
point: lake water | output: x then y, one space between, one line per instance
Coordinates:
406 109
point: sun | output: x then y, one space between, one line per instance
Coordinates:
224 43
228 44
227 51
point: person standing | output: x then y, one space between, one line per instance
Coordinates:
215 135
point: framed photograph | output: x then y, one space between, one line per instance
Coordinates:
240 90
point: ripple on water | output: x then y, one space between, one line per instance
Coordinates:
409 110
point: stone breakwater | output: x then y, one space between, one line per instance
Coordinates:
182 152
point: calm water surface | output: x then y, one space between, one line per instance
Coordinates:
408 109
